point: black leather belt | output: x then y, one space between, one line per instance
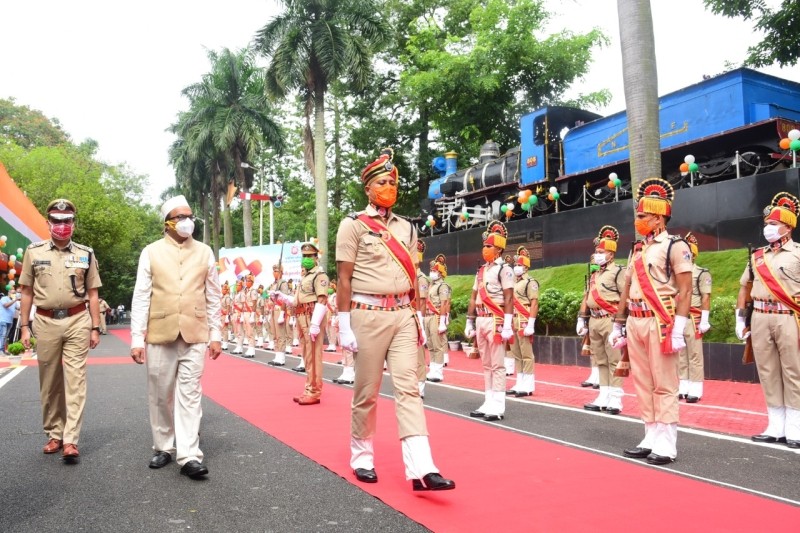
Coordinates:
61 313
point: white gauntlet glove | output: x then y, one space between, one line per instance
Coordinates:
704 325
292 321
507 333
316 319
615 338
678 340
421 329
528 331
469 330
443 319
282 317
580 327
347 339
740 334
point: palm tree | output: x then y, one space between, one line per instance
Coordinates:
231 111
312 44
641 88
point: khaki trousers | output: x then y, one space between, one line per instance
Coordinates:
422 369
249 329
690 360
655 375
174 398
312 356
522 350
62 349
436 341
606 357
389 336
492 353
775 348
103 324
279 331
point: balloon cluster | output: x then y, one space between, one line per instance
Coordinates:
527 199
791 142
507 209
11 264
430 222
464 216
614 181
553 194
688 165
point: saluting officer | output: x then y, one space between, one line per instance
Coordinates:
58 276
599 306
772 280
526 309
690 365
437 316
377 261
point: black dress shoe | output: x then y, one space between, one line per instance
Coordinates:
477 414
692 399
591 407
511 392
768 439
194 469
681 396
522 394
492 418
613 410
587 384
345 382
160 459
433 380
366 475
637 453
596 386
794 444
433 482
655 459
299 369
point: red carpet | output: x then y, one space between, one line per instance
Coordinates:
550 487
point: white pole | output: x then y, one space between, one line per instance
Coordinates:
738 171
271 201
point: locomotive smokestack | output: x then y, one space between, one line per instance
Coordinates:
451 163
489 151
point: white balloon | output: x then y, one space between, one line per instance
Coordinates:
510 205
689 159
553 190
3 238
612 176
430 217
19 250
794 135
13 271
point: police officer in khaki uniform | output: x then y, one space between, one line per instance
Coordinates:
311 308
437 315
249 302
58 276
599 307
225 308
376 262
690 364
103 307
526 309
423 283
278 325
493 301
656 297
772 281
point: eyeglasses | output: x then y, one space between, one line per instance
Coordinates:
69 220
182 217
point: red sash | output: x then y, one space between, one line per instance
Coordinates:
400 254
696 313
608 307
662 307
431 307
486 301
775 287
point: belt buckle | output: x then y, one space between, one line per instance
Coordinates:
60 313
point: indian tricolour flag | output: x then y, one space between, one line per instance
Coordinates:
20 221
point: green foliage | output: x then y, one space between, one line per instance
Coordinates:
15 348
455 329
458 305
722 319
557 310
28 127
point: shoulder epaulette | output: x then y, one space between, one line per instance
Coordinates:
83 247
354 214
37 244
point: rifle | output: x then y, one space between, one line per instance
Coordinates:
748 357
624 366
586 344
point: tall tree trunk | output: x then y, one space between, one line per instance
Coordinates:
338 179
228 227
641 88
320 177
215 216
206 219
247 211
424 161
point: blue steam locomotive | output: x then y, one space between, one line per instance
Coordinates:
731 123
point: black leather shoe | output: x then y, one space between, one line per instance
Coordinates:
586 384
160 459
433 482
596 386
345 382
273 363
794 444
692 399
637 453
591 407
768 439
477 414
511 392
654 459
613 410
366 475
433 380
300 369
492 418
522 394
681 396
194 469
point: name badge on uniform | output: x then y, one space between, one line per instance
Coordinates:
76 264
41 262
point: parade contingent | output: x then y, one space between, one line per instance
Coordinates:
383 313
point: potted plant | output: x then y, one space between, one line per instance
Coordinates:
15 350
455 333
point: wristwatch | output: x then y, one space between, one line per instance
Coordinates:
96 328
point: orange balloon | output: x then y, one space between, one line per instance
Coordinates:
11 275
611 184
509 213
684 167
550 197
784 144
527 193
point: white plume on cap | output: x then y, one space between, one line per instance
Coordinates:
172 203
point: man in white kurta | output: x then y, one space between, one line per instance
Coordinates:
175 321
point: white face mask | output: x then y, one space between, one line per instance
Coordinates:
434 276
519 270
772 233
599 259
185 227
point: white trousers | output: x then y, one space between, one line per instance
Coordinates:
174 398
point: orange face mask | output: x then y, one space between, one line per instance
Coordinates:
643 227
489 254
276 274
385 195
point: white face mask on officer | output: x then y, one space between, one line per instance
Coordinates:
599 259
772 232
434 276
519 270
185 227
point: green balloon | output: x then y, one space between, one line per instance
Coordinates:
617 182
693 167
466 215
8 287
19 257
795 145
503 208
556 196
533 200
526 207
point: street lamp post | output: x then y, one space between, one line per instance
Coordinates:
261 204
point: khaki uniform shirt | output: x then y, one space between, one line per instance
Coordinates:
375 271
439 293
496 277
526 289
784 264
423 283
280 285
313 285
701 285
59 278
607 281
655 260
251 297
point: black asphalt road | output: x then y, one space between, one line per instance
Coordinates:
258 484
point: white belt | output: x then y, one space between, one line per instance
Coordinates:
769 306
381 300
